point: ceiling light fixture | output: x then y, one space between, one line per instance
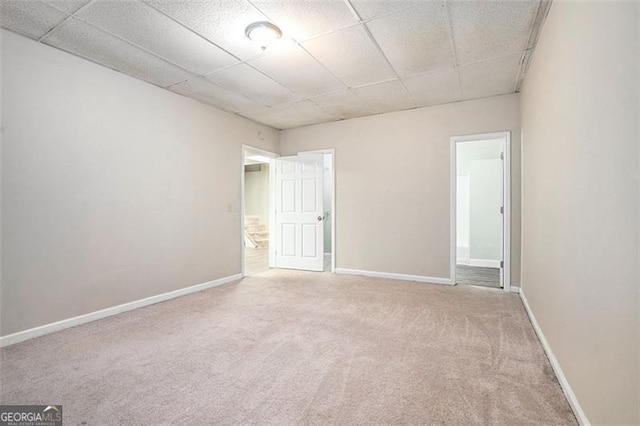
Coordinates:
264 33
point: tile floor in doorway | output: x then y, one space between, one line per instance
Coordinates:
476 275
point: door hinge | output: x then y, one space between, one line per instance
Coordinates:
502 264
501 209
502 155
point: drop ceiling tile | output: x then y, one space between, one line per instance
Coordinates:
266 118
209 93
69 6
435 87
351 56
343 104
384 97
490 29
490 78
243 79
415 40
254 110
295 69
221 21
302 20
294 114
30 18
84 40
148 28
368 9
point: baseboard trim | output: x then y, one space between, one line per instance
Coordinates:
564 383
514 289
42 330
393 276
484 263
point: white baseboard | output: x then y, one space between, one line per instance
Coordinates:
485 263
514 289
31 333
564 383
393 276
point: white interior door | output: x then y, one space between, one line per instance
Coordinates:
299 212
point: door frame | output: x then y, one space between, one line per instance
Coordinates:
506 190
271 201
331 151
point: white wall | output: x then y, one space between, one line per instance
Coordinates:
463 220
580 118
485 227
392 183
113 190
256 194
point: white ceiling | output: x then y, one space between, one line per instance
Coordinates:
338 58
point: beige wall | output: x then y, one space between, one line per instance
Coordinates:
112 189
392 182
256 194
580 201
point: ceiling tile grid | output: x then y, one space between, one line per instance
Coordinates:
488 30
68 6
205 91
384 97
244 79
337 59
155 32
351 55
220 21
87 41
343 104
436 87
31 19
490 78
294 114
293 67
422 32
369 9
302 20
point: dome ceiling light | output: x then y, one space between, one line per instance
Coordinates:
263 33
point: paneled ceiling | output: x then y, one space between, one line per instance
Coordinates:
337 59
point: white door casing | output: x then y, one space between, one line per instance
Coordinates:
505 275
299 212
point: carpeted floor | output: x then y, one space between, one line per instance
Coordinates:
287 347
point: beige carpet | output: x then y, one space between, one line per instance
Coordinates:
298 348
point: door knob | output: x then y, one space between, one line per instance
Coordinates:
319 218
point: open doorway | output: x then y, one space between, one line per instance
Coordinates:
480 213
256 201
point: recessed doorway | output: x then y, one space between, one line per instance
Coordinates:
256 202
480 210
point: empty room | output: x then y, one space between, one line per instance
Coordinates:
319 212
